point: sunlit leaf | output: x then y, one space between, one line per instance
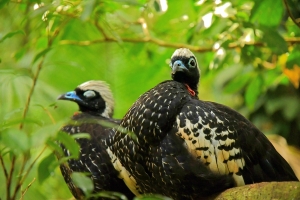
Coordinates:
83 182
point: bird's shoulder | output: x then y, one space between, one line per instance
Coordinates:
150 117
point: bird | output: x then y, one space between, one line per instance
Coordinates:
96 106
185 148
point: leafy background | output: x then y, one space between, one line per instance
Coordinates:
248 52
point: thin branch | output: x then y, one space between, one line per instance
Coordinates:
25 176
290 13
25 190
9 179
35 78
293 40
19 184
4 168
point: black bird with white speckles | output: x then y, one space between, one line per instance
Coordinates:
96 105
187 148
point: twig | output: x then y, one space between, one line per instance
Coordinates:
26 174
10 175
19 184
35 78
4 168
290 13
25 190
162 43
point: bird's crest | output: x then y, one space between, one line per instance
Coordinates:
102 88
183 52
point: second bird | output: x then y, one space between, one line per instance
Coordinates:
96 106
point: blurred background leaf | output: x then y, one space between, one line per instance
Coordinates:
248 52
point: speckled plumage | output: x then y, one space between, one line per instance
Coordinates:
96 105
187 148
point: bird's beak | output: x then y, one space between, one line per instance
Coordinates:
71 96
178 66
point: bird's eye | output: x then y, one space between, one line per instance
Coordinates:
89 94
192 62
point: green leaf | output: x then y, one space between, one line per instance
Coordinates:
42 53
83 182
19 54
81 135
253 91
293 58
3 2
152 197
54 147
69 142
110 195
275 41
267 12
291 109
249 53
87 10
238 83
10 34
271 77
46 167
18 141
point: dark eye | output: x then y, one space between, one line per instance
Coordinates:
89 94
192 62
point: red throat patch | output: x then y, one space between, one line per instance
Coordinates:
76 113
192 92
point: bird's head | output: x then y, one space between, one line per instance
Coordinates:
185 68
92 97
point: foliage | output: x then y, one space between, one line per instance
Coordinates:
248 51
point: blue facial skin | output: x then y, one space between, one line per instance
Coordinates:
72 96
178 66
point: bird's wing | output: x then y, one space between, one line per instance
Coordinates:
229 144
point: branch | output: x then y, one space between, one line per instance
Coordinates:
3 166
265 190
297 22
293 40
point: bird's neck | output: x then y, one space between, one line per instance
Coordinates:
191 84
94 112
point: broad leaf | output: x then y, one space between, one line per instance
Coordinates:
83 182
267 12
18 141
46 167
69 142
